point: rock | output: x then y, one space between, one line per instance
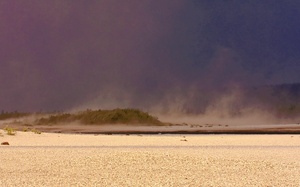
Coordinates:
4 143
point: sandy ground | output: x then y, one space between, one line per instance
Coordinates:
51 159
146 129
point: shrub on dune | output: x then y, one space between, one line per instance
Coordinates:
10 131
98 117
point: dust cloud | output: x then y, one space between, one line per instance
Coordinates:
208 60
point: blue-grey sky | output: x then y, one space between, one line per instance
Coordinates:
59 55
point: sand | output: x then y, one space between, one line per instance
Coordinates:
51 159
174 129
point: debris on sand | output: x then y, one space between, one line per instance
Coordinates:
4 143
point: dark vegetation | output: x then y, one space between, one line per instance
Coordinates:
10 115
89 117
98 117
283 101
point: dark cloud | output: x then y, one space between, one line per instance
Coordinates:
59 55
264 35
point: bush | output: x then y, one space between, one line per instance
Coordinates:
10 131
35 131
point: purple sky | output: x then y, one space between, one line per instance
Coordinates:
59 55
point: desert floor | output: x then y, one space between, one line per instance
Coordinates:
52 159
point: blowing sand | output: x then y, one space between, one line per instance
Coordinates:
51 159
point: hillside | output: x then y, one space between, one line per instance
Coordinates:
98 117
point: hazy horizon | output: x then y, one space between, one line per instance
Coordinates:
173 56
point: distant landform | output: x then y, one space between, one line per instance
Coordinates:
283 101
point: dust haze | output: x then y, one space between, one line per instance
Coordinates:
198 61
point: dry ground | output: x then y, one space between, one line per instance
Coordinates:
51 159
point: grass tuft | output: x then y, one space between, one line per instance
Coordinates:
35 131
10 131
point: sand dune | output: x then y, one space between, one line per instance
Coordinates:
51 159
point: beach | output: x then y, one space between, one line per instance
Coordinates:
53 159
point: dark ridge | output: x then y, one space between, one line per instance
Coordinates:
98 117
